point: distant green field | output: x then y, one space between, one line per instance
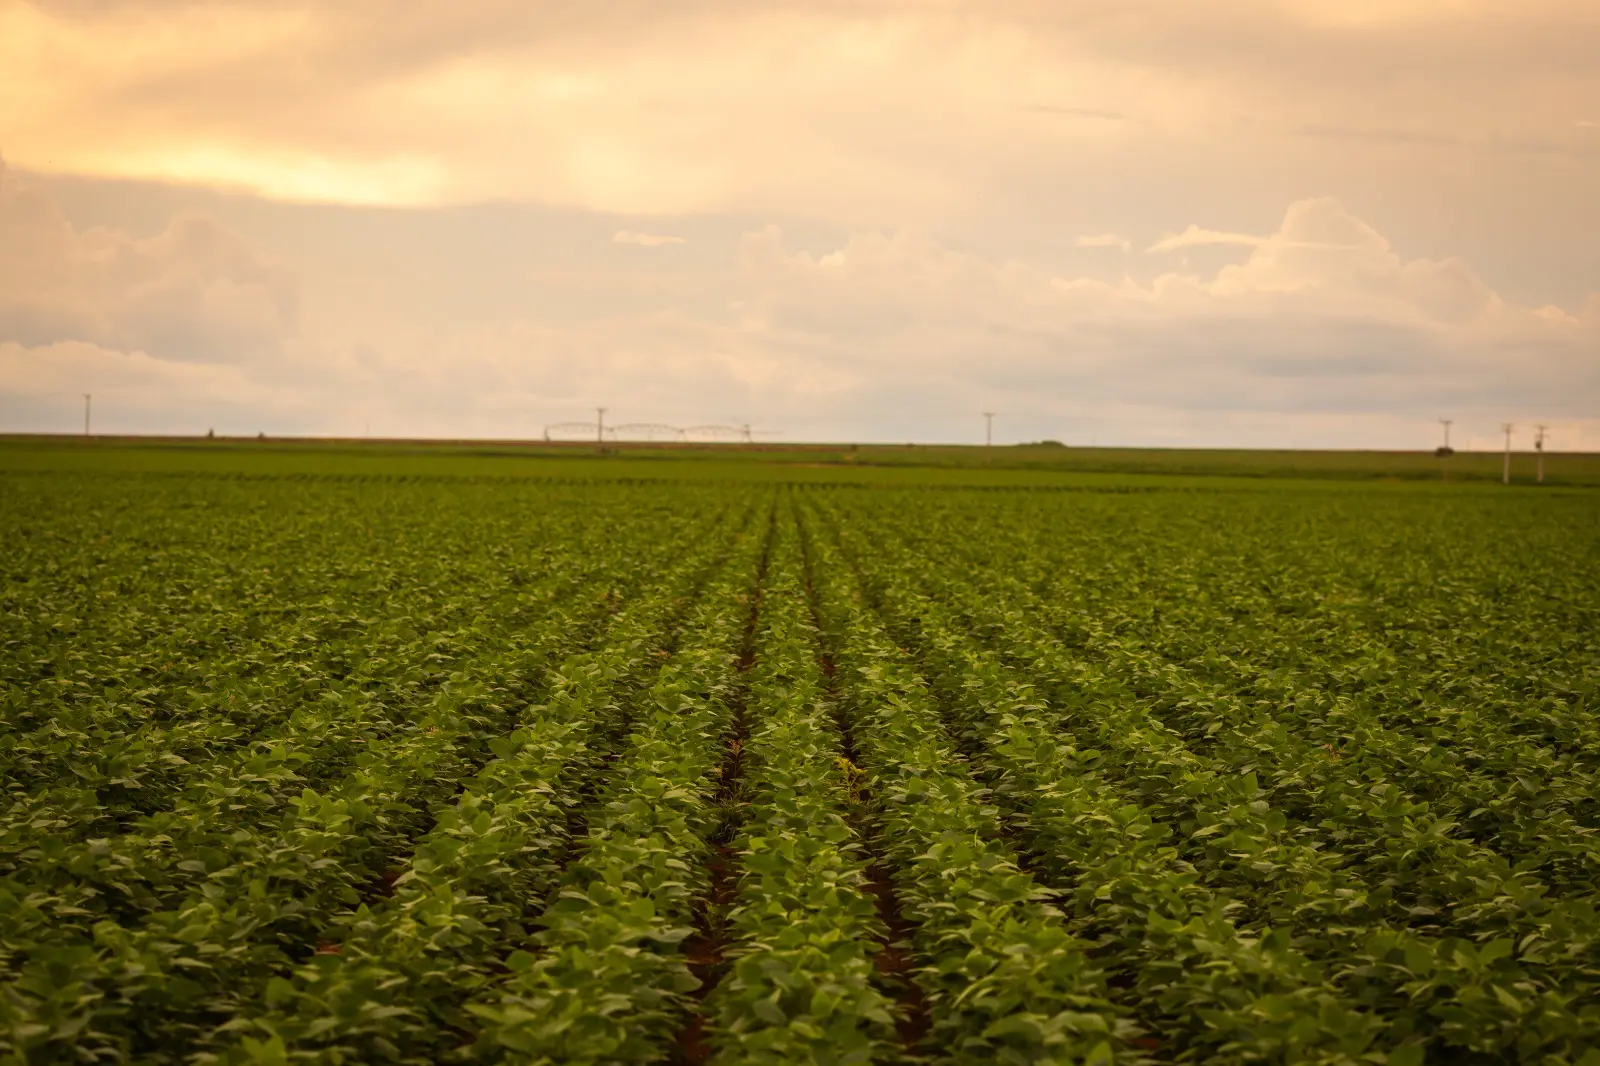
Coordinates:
338 753
867 462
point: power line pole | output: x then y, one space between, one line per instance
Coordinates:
1445 453
600 425
86 414
1505 469
988 435
1538 448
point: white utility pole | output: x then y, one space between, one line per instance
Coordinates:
1538 448
1445 422
86 414
600 425
988 434
1505 469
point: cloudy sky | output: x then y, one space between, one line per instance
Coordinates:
1252 222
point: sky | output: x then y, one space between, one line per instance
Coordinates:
1257 223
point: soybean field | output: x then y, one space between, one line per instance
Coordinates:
570 763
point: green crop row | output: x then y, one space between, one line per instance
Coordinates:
399 972
1216 844
601 983
155 936
799 983
432 770
1006 980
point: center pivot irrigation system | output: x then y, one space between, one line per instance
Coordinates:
650 431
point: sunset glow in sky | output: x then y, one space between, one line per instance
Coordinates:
1299 223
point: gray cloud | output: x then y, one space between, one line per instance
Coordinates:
192 293
1322 316
823 325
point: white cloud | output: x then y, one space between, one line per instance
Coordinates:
1322 319
1104 240
879 335
1194 237
648 240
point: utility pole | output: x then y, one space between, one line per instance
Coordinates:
988 435
86 414
600 425
1505 469
1445 454
1538 448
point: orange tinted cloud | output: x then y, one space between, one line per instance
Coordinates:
962 189
812 107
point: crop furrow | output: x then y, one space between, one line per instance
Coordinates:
794 979
280 889
1005 979
1235 843
706 949
893 960
605 980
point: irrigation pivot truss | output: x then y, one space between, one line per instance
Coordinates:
651 431
571 430
718 432
646 430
